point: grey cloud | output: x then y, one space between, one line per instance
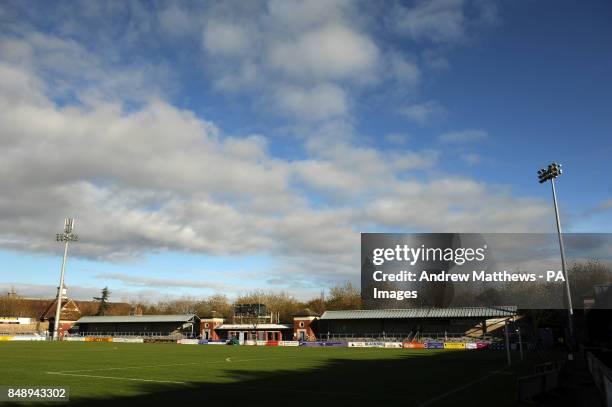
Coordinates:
154 178
180 185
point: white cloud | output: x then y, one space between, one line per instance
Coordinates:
227 39
464 136
317 103
325 176
19 87
435 207
159 178
293 58
330 52
423 113
357 171
153 177
345 172
69 70
255 50
260 50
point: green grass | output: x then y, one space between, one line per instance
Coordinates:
101 373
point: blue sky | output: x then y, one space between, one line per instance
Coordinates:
222 147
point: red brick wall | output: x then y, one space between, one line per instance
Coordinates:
306 322
210 324
64 327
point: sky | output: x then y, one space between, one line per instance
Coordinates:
221 147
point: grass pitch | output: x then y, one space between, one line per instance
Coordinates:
115 373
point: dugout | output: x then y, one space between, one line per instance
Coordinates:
139 325
255 332
407 323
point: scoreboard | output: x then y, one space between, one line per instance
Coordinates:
250 310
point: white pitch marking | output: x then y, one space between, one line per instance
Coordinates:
116 378
73 372
124 368
162 365
458 389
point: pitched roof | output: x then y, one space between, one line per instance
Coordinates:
135 319
69 310
460 312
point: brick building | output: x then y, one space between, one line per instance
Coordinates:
304 325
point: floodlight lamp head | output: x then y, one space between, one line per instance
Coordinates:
554 170
542 175
68 225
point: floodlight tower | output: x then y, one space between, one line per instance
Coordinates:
67 236
552 172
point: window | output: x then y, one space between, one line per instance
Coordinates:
302 324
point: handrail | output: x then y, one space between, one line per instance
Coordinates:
602 376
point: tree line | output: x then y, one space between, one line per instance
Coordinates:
340 297
283 304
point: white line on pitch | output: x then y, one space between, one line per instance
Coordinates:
165 365
116 378
124 368
460 388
